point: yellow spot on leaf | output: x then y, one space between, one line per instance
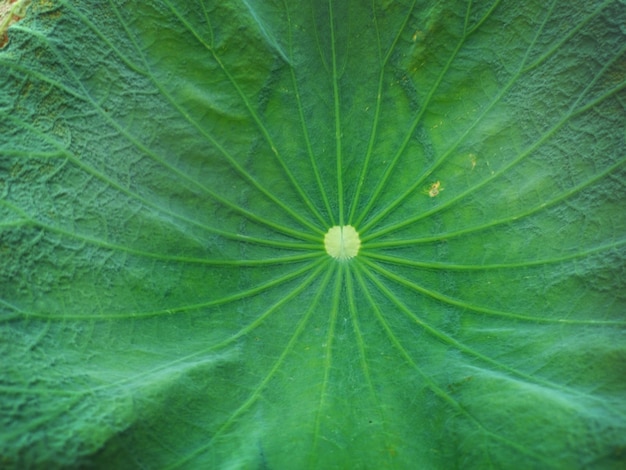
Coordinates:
472 160
435 189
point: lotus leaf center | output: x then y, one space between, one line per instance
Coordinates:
342 243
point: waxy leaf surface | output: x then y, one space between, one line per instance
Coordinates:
169 170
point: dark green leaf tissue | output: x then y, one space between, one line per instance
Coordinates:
313 234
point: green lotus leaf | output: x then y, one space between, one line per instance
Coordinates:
313 234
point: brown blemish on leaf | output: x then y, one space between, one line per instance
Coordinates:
11 11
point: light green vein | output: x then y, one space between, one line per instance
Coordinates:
512 218
41 391
337 110
416 121
484 18
140 146
14 223
542 140
27 220
420 181
305 131
208 22
172 310
483 267
259 123
566 37
52 414
379 93
139 378
484 310
328 359
318 42
32 154
146 202
16 313
446 339
260 388
362 347
432 385
201 130
264 31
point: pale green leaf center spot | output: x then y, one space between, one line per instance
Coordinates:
342 242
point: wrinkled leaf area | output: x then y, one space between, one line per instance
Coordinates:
168 171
